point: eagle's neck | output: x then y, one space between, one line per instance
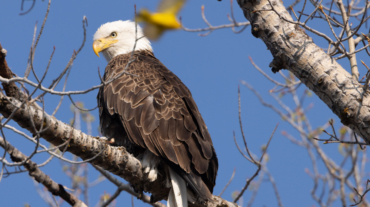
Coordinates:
110 54
142 44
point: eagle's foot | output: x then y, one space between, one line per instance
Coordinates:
140 196
109 141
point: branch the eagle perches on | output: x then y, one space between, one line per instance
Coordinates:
91 149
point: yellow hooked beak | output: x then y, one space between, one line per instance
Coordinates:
102 44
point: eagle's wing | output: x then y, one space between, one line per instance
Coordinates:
158 113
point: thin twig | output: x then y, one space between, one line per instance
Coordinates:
228 183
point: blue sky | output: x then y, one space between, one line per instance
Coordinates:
210 66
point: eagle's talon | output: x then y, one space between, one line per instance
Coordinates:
140 195
111 141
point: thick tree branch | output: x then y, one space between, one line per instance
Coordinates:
114 159
294 50
39 176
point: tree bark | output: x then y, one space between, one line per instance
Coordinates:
114 159
294 50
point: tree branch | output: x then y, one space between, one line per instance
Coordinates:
113 159
39 176
294 50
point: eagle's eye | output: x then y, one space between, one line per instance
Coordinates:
113 34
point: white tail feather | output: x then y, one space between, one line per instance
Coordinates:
171 199
178 192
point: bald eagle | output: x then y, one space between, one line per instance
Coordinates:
150 112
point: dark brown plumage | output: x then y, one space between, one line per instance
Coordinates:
154 110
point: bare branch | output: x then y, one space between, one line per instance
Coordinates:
228 183
39 176
309 63
125 187
361 196
258 169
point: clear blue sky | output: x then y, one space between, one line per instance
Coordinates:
210 66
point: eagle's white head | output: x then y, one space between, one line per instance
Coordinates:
116 38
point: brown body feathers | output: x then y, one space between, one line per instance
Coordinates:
154 110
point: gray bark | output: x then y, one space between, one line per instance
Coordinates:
294 50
